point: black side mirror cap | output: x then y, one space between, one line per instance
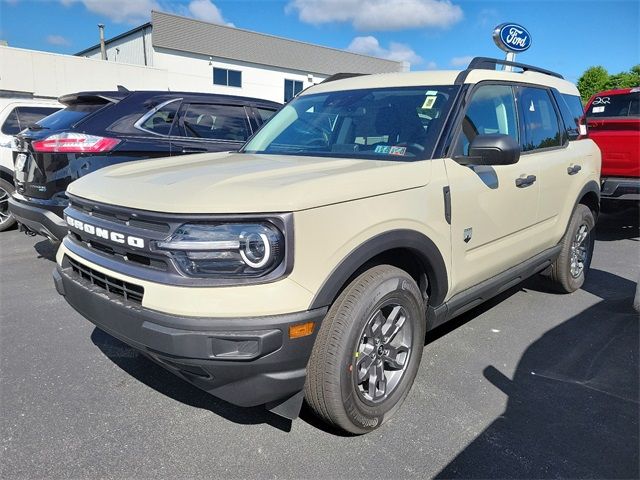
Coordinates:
494 149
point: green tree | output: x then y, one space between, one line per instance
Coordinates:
592 81
625 79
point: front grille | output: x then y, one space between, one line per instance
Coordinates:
119 218
126 290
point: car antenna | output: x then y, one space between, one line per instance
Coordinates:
123 88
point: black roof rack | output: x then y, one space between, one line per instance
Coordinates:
486 63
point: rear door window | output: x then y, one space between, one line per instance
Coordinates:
541 127
160 119
571 112
620 105
219 122
265 114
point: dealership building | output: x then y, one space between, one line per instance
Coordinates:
212 58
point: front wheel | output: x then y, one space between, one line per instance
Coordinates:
368 351
570 268
6 218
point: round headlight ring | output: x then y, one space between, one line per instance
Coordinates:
246 253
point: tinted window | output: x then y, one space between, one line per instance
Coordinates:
541 129
69 116
231 78
621 105
161 120
11 125
576 112
265 114
380 124
492 110
291 89
30 115
222 122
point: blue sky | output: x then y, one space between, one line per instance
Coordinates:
568 36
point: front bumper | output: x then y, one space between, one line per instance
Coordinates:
245 361
43 217
621 188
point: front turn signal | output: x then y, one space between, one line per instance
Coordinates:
301 330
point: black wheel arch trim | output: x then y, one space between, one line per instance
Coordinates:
6 175
416 242
590 187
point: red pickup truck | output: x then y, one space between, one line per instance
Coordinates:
613 118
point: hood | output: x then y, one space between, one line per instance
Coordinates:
245 183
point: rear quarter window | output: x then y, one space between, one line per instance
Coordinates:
618 105
21 117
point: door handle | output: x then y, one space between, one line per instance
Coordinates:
573 169
523 182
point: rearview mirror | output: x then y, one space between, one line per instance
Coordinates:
494 149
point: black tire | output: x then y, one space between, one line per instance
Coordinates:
332 389
564 277
6 219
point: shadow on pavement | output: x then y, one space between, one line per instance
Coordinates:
47 250
620 224
156 377
573 402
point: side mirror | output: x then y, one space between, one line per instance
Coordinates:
494 149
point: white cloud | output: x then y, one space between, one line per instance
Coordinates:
370 45
120 11
139 11
377 15
58 40
205 10
461 61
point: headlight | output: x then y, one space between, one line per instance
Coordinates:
228 250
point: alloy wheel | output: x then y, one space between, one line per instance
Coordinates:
382 353
579 250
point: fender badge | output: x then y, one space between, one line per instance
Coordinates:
468 233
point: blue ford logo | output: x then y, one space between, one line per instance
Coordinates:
512 37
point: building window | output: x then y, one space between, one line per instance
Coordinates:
291 89
231 78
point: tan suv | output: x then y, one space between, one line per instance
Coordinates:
365 213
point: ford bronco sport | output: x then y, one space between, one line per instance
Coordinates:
365 213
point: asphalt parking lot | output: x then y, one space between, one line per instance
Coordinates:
532 385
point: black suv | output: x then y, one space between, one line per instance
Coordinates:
97 129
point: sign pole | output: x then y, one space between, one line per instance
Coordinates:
510 57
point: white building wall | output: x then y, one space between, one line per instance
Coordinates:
260 81
46 74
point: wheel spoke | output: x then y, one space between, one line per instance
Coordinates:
363 367
394 323
377 382
396 357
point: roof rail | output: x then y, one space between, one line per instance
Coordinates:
486 63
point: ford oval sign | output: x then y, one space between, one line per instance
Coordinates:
512 37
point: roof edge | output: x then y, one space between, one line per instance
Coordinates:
113 39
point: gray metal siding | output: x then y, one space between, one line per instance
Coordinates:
129 49
185 34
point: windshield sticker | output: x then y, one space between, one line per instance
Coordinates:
428 102
598 109
601 101
389 150
431 92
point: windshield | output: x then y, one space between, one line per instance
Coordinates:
382 124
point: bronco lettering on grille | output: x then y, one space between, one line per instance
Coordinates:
115 237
